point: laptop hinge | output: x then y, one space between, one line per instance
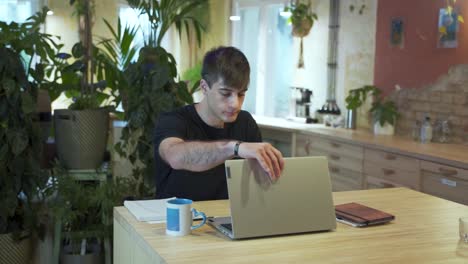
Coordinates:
228 172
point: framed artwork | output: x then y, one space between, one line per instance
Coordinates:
448 29
396 33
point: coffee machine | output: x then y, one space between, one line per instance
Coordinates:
301 101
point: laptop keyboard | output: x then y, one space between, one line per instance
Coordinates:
227 226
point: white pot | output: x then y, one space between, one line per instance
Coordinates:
386 129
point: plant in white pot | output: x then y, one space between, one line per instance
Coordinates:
384 115
383 111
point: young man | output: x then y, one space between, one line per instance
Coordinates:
192 142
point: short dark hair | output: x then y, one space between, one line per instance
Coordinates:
228 63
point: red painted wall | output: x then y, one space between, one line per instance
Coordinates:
419 62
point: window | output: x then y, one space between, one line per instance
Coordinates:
128 16
18 10
265 38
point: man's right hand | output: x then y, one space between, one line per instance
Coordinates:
267 156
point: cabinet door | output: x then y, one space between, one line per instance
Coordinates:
344 160
282 140
393 175
302 148
333 146
344 179
391 160
377 183
444 181
392 169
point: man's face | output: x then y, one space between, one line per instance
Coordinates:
224 102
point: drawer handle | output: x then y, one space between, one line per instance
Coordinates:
387 185
388 172
390 157
335 145
307 147
335 169
448 182
334 157
447 172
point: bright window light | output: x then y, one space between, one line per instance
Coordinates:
285 14
234 18
50 13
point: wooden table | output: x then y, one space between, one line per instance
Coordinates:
425 231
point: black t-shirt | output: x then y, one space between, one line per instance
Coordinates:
185 123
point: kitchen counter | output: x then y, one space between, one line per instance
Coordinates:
450 154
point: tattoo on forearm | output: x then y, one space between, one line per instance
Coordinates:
203 154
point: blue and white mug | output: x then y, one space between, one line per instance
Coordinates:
179 217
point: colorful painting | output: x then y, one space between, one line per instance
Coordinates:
448 29
397 37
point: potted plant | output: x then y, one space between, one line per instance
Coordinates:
118 52
21 179
384 115
83 211
154 85
302 20
383 111
81 130
192 77
355 99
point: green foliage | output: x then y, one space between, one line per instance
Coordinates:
118 53
70 79
77 79
154 87
162 14
21 177
301 15
192 77
27 40
20 145
357 97
154 91
382 110
85 208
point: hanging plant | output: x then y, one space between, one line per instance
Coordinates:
302 20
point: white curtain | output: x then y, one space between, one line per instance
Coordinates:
19 10
265 38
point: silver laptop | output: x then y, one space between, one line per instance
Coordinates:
299 201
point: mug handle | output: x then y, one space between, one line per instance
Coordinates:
196 213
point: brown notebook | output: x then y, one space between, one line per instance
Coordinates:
360 215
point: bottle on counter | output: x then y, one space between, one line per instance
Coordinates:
426 130
416 131
445 132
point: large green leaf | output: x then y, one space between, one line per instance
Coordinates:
77 50
18 139
3 151
28 105
9 85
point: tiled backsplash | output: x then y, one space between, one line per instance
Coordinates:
446 99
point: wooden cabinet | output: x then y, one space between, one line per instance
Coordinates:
384 169
344 160
360 160
283 140
444 181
